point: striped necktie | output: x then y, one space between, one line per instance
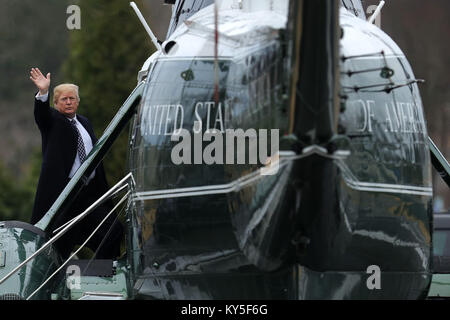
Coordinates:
80 145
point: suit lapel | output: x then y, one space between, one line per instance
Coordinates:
85 123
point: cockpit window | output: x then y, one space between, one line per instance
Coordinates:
383 119
354 6
185 9
441 243
181 95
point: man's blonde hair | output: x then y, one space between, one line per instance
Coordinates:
62 88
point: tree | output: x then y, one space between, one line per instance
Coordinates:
105 57
16 197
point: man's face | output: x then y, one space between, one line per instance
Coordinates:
67 103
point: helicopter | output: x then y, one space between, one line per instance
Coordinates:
339 205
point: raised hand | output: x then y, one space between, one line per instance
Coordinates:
41 82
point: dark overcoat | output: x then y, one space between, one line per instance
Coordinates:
59 149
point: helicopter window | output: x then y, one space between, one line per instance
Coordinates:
386 127
178 94
184 10
354 6
181 93
441 243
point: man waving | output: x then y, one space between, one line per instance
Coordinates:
67 139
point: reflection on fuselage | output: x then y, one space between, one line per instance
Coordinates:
369 207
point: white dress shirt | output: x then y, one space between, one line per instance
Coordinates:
84 135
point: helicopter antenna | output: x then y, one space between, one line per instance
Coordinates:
146 26
377 12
